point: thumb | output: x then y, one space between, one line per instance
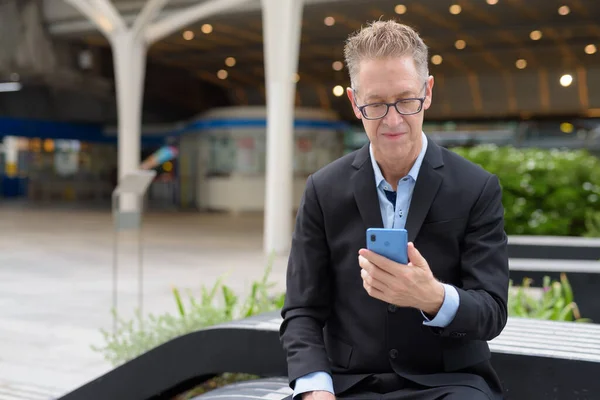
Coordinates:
415 257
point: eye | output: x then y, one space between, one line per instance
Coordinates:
375 110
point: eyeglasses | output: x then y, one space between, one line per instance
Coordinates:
408 106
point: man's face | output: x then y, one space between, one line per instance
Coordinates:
393 137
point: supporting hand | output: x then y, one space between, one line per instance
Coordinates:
410 285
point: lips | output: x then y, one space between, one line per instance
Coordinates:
394 134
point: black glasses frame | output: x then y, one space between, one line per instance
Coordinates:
388 105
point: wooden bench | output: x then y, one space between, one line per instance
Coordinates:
548 360
536 360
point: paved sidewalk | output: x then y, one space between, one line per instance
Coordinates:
17 391
56 281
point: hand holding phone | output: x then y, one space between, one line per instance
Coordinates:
389 243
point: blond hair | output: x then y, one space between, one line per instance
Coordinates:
383 39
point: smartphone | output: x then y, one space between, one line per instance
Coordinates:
390 243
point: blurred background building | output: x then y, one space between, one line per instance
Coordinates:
518 72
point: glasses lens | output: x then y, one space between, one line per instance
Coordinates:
375 110
409 106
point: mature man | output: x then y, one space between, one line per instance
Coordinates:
360 326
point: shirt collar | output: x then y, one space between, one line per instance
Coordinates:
414 171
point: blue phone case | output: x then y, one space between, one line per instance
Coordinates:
390 243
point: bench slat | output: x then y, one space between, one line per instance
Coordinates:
575 350
498 348
566 324
590 345
549 332
545 265
560 241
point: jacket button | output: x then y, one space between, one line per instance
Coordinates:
392 308
393 353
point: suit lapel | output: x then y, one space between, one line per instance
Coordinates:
426 187
365 191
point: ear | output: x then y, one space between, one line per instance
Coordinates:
429 91
351 96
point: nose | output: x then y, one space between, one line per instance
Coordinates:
393 117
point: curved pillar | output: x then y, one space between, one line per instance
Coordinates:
129 45
281 26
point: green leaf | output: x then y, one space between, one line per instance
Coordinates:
546 282
251 301
230 301
544 314
557 309
566 313
178 301
566 288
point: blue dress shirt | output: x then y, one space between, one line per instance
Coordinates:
394 210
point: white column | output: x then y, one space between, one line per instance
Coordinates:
129 57
281 31
11 154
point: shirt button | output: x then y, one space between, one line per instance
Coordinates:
400 213
392 308
393 354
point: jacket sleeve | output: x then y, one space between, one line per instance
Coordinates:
307 302
483 293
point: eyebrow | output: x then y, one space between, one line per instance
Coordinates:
405 94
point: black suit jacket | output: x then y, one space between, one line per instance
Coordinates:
331 324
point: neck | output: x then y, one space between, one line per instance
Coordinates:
393 169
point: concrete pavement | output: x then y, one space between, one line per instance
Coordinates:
56 284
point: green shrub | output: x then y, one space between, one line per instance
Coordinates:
545 192
592 224
555 304
137 336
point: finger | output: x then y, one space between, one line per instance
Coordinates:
373 292
415 256
371 281
385 264
374 270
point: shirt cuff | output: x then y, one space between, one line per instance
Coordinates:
448 310
314 381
